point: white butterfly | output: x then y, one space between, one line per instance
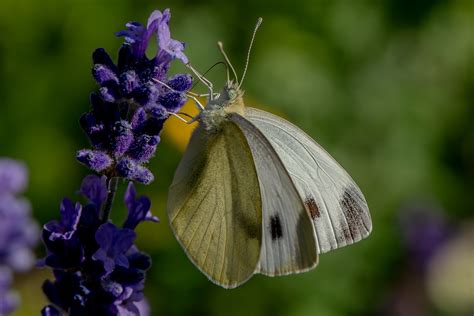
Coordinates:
253 194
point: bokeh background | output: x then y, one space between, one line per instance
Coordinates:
387 87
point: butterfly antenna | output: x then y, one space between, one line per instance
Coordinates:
259 22
209 69
221 48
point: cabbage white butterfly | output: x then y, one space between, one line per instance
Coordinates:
255 194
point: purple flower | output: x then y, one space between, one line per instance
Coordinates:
114 243
130 169
8 299
13 176
18 232
424 230
143 307
144 148
181 82
138 209
50 310
67 225
138 36
95 189
94 159
132 103
172 47
97 268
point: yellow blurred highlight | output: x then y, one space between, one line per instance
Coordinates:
28 286
179 132
451 274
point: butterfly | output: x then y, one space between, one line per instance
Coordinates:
253 193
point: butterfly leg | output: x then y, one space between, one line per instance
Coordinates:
199 95
196 101
193 119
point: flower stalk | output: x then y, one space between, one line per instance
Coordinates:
112 189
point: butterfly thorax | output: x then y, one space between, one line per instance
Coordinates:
216 112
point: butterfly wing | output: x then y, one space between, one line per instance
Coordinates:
289 242
214 206
337 206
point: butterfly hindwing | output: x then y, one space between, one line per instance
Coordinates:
337 206
214 205
289 242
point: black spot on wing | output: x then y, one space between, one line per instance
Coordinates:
354 211
312 207
275 227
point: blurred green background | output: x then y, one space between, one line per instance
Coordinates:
387 87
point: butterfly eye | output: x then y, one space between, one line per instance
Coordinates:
232 94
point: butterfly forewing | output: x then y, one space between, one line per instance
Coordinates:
214 205
336 205
289 242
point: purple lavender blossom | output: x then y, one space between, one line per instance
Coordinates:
138 209
424 230
95 190
8 300
13 176
18 232
113 243
67 226
98 270
169 48
133 101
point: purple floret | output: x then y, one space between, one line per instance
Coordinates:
130 169
138 208
168 46
144 148
94 159
95 189
114 243
181 82
67 225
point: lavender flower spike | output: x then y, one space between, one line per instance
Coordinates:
130 108
97 268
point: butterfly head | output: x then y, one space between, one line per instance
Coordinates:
231 93
217 110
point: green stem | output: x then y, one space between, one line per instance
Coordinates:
112 187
